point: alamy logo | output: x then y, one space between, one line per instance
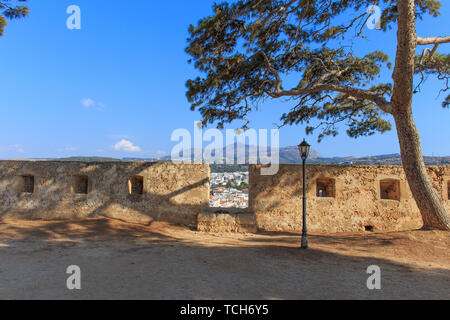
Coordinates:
236 151
374 281
74 20
374 21
74 281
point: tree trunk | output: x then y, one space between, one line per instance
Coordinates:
430 206
433 212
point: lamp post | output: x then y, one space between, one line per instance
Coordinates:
304 149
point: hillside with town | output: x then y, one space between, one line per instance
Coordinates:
229 190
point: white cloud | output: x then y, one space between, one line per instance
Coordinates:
68 149
17 148
118 136
71 148
13 148
161 153
90 103
127 146
87 102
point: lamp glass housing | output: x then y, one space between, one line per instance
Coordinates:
304 149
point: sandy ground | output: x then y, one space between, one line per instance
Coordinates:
120 260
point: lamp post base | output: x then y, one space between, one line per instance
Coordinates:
304 242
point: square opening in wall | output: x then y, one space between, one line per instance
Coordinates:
368 228
80 184
136 185
448 189
27 184
390 189
325 188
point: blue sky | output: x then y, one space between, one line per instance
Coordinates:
117 86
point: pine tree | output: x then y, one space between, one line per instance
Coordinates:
11 9
248 50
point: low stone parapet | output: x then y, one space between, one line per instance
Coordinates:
227 221
340 198
131 191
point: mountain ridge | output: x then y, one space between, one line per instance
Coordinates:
289 155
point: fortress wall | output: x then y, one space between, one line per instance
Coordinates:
353 203
351 196
69 190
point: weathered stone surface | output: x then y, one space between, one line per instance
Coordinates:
178 193
171 192
226 222
277 200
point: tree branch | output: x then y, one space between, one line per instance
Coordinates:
432 40
376 98
273 71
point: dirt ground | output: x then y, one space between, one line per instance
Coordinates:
119 260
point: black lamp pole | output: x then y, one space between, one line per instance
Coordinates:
304 148
305 229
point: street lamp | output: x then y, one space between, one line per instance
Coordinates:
304 149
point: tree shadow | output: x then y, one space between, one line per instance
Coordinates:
80 230
161 263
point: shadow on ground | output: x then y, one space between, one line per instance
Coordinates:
161 261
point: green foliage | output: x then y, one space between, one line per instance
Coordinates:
446 103
435 64
221 168
248 49
11 9
240 187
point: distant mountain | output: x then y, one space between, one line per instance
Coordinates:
292 155
144 159
85 159
387 159
288 155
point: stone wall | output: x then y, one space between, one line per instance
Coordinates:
340 198
130 191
